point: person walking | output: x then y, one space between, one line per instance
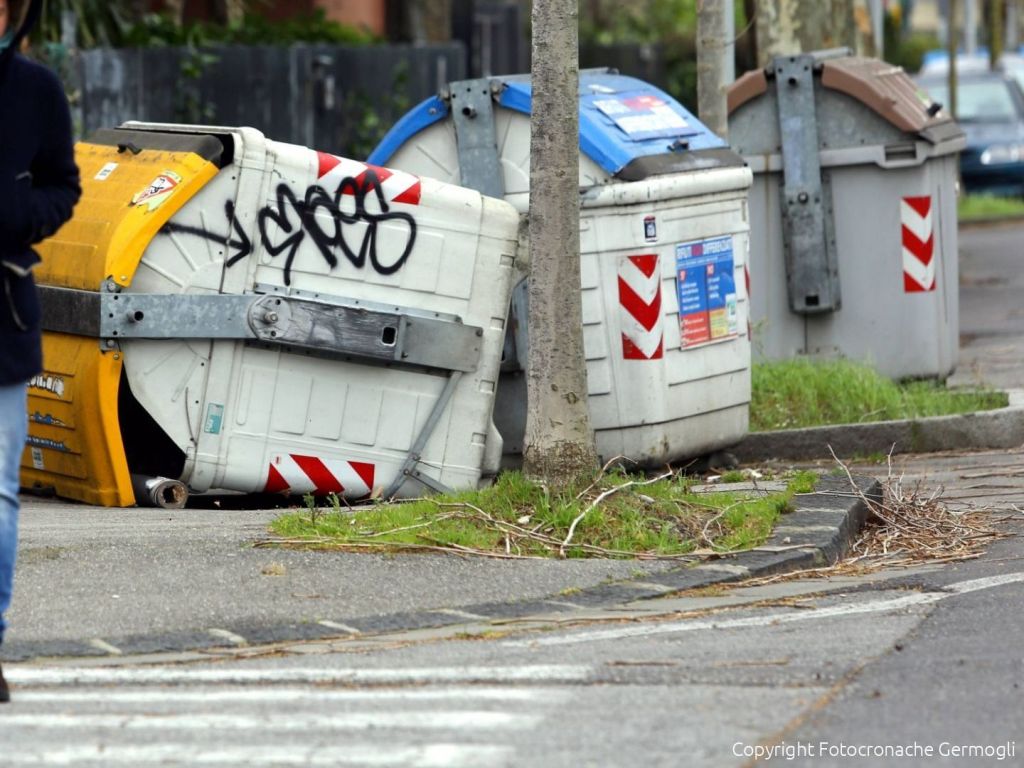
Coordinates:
39 186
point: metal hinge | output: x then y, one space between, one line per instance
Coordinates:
812 269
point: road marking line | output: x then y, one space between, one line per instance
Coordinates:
277 721
32 675
289 695
106 647
378 754
342 627
879 606
231 637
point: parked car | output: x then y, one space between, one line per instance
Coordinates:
990 109
936 63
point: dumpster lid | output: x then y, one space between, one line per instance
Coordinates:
622 120
885 89
215 149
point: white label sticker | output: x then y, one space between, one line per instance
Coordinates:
37 458
105 171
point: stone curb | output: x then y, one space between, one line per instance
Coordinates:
991 221
817 532
980 430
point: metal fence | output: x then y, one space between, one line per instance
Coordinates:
335 98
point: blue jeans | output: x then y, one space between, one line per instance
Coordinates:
13 431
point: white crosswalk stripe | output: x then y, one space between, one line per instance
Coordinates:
245 715
426 756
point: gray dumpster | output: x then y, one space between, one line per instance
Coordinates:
852 213
663 245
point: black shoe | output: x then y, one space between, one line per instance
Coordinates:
5 692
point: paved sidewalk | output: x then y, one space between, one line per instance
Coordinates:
95 581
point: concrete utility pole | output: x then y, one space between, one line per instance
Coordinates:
559 441
711 82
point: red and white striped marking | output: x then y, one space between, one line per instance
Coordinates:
640 307
397 186
918 244
295 474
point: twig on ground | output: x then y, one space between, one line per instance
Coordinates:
601 497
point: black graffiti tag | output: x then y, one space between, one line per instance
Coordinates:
324 218
240 243
327 219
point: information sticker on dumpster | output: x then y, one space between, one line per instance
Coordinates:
707 291
643 117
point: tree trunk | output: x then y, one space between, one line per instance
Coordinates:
229 11
137 10
952 44
430 21
176 10
996 32
1014 20
802 26
559 442
711 85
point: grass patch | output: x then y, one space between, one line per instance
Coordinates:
980 207
805 393
618 515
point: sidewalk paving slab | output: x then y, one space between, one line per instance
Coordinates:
825 522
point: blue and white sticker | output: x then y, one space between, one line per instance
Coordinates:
214 418
706 289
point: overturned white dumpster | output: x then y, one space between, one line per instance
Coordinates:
239 314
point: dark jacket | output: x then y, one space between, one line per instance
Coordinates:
39 186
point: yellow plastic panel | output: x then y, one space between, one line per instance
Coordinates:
74 443
108 233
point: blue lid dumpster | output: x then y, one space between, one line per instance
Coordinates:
663 249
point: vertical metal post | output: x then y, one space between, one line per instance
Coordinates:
812 269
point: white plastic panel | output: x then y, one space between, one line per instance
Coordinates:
684 402
297 422
901 333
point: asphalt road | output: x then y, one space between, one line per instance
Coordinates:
991 313
88 572
927 659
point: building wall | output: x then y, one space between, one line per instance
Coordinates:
357 13
368 14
